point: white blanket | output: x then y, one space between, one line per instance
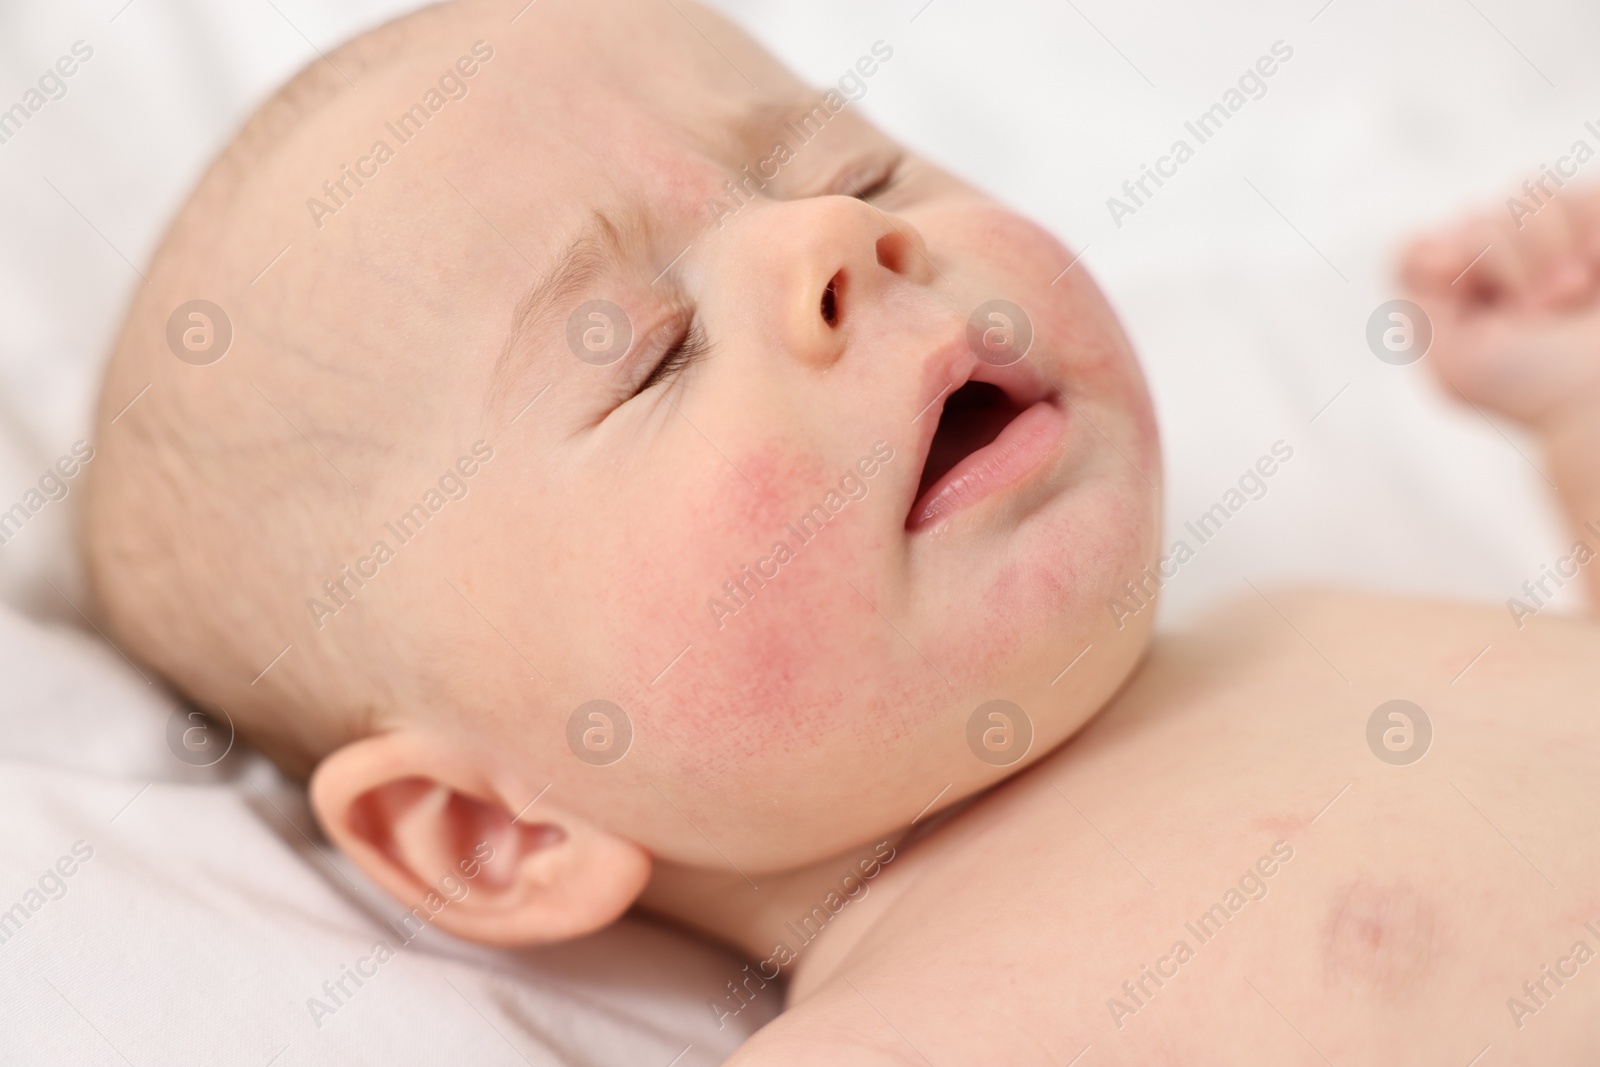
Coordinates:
203 913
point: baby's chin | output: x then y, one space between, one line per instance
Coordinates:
783 785
1007 601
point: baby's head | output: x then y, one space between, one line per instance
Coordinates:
583 354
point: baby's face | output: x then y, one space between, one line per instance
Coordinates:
800 526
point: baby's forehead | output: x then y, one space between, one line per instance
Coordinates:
574 130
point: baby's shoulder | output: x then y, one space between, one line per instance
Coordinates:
1333 638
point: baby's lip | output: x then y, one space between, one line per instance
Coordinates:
948 368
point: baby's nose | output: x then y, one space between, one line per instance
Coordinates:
838 255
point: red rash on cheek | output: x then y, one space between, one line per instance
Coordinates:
761 493
761 687
794 665
771 486
781 645
672 547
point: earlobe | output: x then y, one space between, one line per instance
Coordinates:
427 824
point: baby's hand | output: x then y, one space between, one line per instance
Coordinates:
1515 305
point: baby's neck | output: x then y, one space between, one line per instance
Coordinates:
800 921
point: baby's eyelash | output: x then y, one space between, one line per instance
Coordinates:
879 187
883 185
685 352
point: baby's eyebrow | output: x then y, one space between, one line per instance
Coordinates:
598 250
760 118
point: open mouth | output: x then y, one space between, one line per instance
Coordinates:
986 440
973 417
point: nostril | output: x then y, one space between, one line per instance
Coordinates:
892 252
830 300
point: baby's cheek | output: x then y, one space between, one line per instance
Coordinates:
1101 374
702 550
684 528
780 650
761 689
811 682
736 533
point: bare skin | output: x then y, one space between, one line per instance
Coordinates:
1395 934
1381 912
836 300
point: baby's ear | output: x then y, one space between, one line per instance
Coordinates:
427 825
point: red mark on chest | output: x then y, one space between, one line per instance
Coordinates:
1379 939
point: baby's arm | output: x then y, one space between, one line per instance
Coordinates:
1515 304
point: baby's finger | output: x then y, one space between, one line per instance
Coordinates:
1434 263
1583 212
1548 245
1494 266
1428 264
1522 366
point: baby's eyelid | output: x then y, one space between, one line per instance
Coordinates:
865 182
655 342
668 348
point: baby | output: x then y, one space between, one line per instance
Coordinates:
618 475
